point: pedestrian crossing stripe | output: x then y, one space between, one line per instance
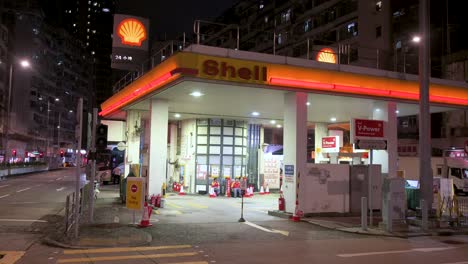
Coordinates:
10 257
122 249
115 258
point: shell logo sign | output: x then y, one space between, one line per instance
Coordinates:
326 55
131 32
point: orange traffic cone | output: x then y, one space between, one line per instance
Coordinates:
261 191
181 191
297 215
212 193
251 191
267 190
247 193
145 220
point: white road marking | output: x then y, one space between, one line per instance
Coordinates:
22 190
22 220
393 252
37 185
463 262
58 179
4 196
1 186
60 189
284 233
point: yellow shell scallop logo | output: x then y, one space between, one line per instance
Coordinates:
326 55
131 31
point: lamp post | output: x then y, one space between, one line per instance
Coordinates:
425 151
24 64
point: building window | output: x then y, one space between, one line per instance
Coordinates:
378 6
307 25
378 31
353 28
286 16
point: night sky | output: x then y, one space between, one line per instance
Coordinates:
173 17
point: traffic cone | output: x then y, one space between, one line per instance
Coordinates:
212 193
281 189
247 193
251 191
297 215
267 190
145 220
261 191
181 192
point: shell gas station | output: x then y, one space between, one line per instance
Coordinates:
208 112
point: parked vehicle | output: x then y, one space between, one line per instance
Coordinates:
456 167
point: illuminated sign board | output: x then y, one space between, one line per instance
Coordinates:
234 71
326 55
131 32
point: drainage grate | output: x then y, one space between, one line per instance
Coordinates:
453 242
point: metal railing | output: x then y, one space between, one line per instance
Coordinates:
72 209
271 42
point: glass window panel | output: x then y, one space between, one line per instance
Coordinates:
245 132
215 140
229 122
228 130
215 130
238 141
245 142
227 160
215 159
227 140
215 121
202 159
201 149
237 171
243 171
202 140
238 131
214 171
244 151
202 130
237 160
238 151
227 150
227 171
215 150
202 122
239 123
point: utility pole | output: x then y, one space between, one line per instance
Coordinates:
93 164
79 115
425 150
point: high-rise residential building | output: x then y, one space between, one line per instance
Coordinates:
51 70
91 22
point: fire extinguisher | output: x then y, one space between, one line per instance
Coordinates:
281 203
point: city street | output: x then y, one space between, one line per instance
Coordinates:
197 229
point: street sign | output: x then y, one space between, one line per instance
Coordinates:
135 193
289 173
371 144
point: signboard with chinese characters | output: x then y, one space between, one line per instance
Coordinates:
129 42
271 170
135 193
330 144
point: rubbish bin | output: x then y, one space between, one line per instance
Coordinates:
413 194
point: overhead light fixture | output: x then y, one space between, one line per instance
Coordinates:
196 94
377 109
255 114
308 103
272 121
57 99
25 63
333 119
278 126
105 10
397 111
416 39
71 111
177 115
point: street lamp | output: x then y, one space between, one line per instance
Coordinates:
416 39
24 64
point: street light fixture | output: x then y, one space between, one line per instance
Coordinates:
24 64
416 39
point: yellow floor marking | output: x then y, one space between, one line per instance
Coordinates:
10 257
200 206
122 249
196 262
174 205
94 259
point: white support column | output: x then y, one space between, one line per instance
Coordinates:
159 117
379 112
172 151
321 130
295 144
392 140
133 138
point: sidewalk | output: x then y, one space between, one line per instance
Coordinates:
352 224
113 225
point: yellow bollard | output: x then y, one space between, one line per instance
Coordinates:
163 191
